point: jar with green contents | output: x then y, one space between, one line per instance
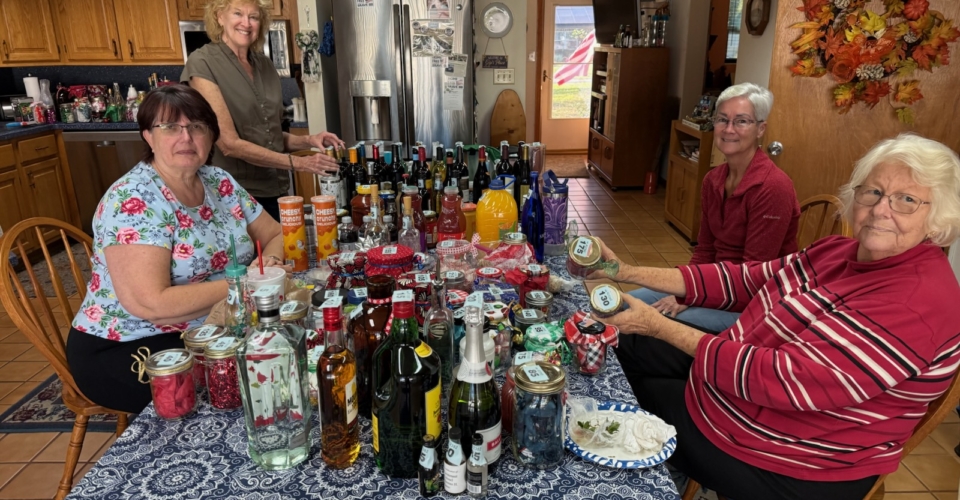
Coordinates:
526 318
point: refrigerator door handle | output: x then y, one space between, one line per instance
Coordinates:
408 76
401 94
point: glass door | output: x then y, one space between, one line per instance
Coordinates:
569 38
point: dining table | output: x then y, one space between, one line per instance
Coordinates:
205 455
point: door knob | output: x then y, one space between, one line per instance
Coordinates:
775 148
545 75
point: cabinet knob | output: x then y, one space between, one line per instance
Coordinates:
115 52
775 148
6 54
130 42
606 152
596 143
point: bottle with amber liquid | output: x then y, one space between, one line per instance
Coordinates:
406 400
337 374
367 329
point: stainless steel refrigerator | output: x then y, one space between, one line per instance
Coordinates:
399 64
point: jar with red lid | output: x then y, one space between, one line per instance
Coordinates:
170 375
489 276
421 284
195 340
347 270
390 260
223 382
585 255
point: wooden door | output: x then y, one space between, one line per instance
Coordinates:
48 190
820 146
191 9
88 30
149 31
13 208
27 32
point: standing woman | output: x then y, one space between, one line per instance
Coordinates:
749 209
243 88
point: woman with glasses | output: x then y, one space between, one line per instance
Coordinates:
838 350
242 86
161 239
749 209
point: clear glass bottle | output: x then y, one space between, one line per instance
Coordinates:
409 236
337 377
272 362
406 399
239 313
375 234
438 329
454 465
416 211
347 235
477 469
391 228
429 471
474 398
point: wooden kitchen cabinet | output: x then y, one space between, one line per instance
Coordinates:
149 31
192 10
27 33
685 179
88 30
48 190
13 206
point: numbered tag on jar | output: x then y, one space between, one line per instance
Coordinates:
603 295
528 314
535 268
422 278
523 357
332 302
446 244
205 332
360 293
582 247
538 295
170 358
535 373
329 294
538 331
390 250
403 296
222 344
347 258
452 275
288 308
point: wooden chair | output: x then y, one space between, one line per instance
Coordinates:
819 217
936 412
42 328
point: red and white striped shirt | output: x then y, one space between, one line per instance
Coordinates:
832 362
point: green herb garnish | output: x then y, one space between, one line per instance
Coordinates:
587 426
613 428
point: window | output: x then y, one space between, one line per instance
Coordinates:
734 19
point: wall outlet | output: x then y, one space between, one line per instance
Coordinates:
503 77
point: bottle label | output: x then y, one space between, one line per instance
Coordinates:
475 299
434 419
582 247
535 373
420 184
474 483
474 373
454 475
376 433
491 442
448 237
477 457
454 452
423 350
427 457
352 403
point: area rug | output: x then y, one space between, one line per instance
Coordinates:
61 262
567 165
42 410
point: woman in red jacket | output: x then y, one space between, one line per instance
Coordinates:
838 350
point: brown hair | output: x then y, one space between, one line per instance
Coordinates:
169 104
214 31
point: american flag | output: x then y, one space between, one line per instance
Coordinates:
578 63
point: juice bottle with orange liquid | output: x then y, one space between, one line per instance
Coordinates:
497 211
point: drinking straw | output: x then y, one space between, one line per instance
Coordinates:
260 256
233 251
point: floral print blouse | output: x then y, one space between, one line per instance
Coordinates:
139 209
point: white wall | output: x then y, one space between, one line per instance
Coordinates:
756 52
687 32
516 50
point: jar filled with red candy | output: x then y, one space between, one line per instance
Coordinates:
585 255
171 383
223 383
195 340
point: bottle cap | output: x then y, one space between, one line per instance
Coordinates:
332 318
348 220
454 434
387 218
451 190
496 184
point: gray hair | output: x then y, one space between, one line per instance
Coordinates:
760 97
932 164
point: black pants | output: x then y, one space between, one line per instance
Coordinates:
101 368
271 206
658 374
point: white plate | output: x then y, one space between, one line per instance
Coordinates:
643 462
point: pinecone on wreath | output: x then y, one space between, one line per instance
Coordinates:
841 4
911 37
870 72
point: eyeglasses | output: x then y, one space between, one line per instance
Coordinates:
741 123
899 202
174 129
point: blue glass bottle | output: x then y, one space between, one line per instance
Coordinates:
532 219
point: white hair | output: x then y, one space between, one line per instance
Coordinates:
932 164
759 97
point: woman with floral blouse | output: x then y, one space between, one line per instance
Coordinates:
161 236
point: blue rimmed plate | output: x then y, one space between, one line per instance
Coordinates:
624 462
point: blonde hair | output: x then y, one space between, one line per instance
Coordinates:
932 164
215 31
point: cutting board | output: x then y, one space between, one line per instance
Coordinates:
508 123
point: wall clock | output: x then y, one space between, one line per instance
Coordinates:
496 20
757 13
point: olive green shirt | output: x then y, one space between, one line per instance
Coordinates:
255 107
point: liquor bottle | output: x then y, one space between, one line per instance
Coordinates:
239 308
532 219
337 371
398 169
372 177
391 228
348 236
438 330
378 162
425 181
358 169
409 236
452 224
276 398
429 471
419 221
362 152
474 398
522 168
481 179
454 465
367 329
463 173
477 469
349 176
438 170
503 166
406 399
375 234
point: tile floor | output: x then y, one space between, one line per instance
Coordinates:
630 222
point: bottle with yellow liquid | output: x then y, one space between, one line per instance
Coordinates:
497 211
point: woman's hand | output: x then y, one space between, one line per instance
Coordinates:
324 139
668 306
271 261
319 164
636 318
607 255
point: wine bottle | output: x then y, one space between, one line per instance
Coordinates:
425 181
337 371
474 398
532 220
454 465
406 402
503 166
522 168
398 169
349 176
358 169
463 173
481 178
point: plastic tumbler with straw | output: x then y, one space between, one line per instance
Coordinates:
266 277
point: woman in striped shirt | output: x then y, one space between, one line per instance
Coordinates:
837 352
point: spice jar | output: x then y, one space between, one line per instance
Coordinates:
605 301
538 415
458 255
584 256
294 311
430 219
223 382
171 381
540 300
195 340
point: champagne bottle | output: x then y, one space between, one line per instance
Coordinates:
406 401
454 465
337 371
474 398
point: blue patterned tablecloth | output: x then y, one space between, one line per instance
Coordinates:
205 456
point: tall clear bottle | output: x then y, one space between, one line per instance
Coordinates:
339 406
532 219
409 236
239 313
474 398
272 363
438 330
375 234
406 402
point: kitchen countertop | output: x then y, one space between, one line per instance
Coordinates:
15 132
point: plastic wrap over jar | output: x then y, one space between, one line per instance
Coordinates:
347 270
512 252
528 278
501 292
548 339
458 255
590 339
390 260
171 381
421 284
